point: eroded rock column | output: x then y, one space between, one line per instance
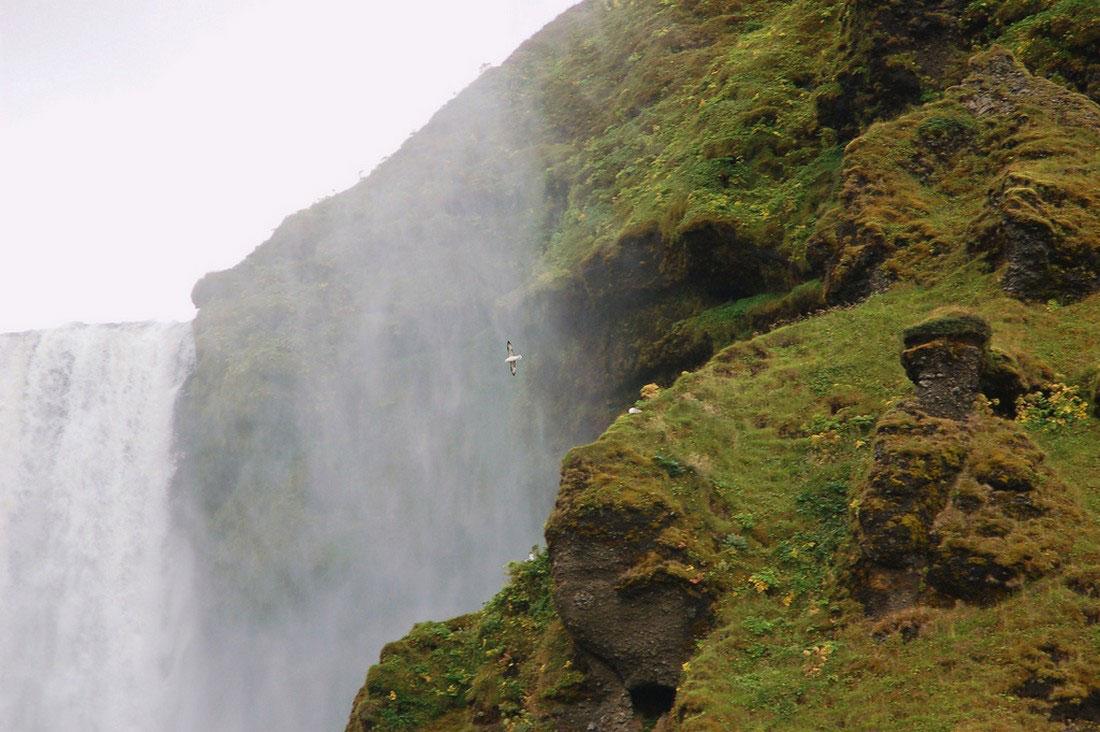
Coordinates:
958 504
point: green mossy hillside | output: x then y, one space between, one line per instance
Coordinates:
835 557
510 666
1059 39
791 646
746 494
481 667
641 165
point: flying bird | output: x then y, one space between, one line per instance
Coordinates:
512 358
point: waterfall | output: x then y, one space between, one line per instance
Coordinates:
94 582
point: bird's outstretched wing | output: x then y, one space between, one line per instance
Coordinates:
512 358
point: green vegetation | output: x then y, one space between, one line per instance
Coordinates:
492 661
789 647
1055 38
959 325
1056 408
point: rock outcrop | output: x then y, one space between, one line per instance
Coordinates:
704 550
892 53
944 358
1040 219
628 587
958 504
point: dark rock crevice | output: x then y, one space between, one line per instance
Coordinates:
651 701
619 312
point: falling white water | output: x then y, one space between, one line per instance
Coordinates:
93 583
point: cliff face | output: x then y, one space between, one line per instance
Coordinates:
647 191
785 534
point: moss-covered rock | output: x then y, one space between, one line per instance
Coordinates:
892 54
1055 38
988 169
949 359
974 519
1039 221
954 509
420 678
917 461
630 562
487 670
1008 376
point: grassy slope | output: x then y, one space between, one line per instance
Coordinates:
755 670
696 123
778 428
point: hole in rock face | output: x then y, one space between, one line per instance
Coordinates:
652 700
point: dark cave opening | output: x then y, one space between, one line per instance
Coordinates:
652 700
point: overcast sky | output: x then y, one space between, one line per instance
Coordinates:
146 142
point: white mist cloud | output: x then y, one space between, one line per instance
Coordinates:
143 144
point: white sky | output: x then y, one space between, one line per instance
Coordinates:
144 143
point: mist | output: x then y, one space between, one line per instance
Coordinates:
146 143
343 453
368 461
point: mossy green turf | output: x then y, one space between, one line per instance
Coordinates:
958 324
